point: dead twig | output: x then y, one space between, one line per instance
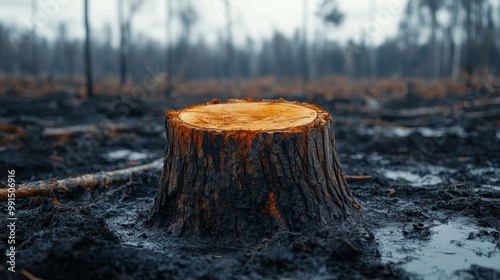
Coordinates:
457 185
43 187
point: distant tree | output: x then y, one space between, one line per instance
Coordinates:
489 51
480 46
125 22
59 61
329 12
123 43
372 53
468 31
229 39
108 50
88 57
424 13
188 18
34 51
455 35
169 49
331 15
305 60
433 7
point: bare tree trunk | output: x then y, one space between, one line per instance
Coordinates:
434 52
372 50
34 63
456 33
305 60
123 44
446 49
229 40
468 64
88 57
169 49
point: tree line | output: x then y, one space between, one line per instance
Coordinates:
425 46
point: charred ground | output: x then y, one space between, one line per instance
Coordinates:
433 159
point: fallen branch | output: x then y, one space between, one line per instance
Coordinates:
28 275
43 187
436 110
90 128
63 131
358 177
37 121
415 113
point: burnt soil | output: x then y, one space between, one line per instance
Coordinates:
431 208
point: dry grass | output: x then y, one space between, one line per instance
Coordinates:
327 87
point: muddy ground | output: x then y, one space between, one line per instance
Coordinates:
431 208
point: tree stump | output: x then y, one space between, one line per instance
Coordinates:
243 169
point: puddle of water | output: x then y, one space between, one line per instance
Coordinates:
386 131
126 154
496 188
412 178
401 175
399 132
428 180
376 159
448 250
424 131
480 171
439 132
429 132
357 156
489 174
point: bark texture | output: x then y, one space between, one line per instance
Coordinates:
240 185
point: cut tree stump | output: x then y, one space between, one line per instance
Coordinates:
244 169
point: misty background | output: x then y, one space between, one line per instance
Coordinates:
237 39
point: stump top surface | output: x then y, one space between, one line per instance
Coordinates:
266 116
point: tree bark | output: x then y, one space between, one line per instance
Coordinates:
241 170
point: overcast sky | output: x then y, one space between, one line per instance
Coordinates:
255 18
